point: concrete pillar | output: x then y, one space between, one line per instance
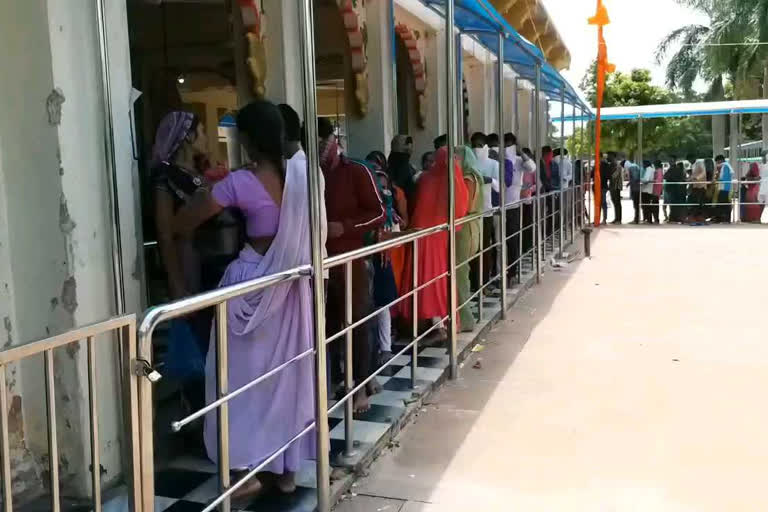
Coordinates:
55 227
481 86
435 96
376 129
283 52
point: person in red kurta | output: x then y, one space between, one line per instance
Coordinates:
431 209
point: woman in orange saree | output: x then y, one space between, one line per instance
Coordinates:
431 209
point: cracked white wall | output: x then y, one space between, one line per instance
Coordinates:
55 226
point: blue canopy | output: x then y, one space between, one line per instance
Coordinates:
481 20
712 108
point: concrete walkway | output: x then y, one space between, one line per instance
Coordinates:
632 381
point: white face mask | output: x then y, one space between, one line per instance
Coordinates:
510 153
482 153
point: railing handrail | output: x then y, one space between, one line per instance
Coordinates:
19 352
335 261
157 314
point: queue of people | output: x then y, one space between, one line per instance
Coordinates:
218 227
704 193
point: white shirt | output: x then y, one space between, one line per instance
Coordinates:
648 176
513 191
489 168
566 171
763 183
298 163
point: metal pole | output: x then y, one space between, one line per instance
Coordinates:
536 155
516 99
307 43
640 157
222 380
584 166
349 378
415 299
736 165
460 129
640 141
573 184
502 183
562 160
450 44
393 84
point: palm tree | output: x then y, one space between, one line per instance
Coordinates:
699 52
732 47
753 20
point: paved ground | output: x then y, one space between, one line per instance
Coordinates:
632 381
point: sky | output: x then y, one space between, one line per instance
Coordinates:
637 27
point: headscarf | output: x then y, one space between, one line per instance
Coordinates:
329 153
431 205
401 172
401 143
754 170
476 203
171 132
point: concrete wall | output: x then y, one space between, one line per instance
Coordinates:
55 226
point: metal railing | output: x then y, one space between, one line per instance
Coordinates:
124 329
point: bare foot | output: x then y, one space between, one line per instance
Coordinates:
248 492
373 387
360 402
286 482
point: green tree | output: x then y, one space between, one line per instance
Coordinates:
661 137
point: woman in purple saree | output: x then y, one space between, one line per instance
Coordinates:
272 326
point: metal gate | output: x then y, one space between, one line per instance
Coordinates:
120 331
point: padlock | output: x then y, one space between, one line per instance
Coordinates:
142 368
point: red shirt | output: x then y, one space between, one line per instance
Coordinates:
352 198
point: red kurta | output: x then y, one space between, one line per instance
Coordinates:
431 209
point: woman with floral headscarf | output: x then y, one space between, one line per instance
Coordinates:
468 239
180 168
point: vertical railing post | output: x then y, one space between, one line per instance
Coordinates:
53 445
5 444
307 44
450 45
573 183
516 100
502 180
537 161
562 159
349 377
222 388
481 269
415 319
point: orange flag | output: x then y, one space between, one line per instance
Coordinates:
603 67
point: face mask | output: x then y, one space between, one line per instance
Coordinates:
482 153
510 153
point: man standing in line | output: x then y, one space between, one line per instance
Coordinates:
635 175
616 185
489 168
354 208
724 189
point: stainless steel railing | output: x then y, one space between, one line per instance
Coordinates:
124 327
217 298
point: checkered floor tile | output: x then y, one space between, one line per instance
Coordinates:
188 484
